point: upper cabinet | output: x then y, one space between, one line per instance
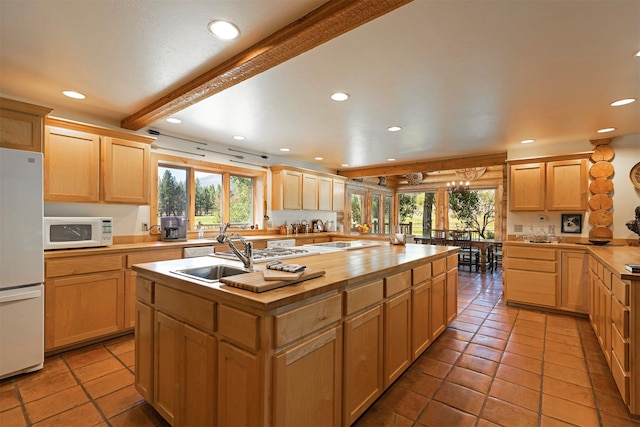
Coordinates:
553 186
86 163
296 188
21 125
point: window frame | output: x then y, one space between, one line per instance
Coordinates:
193 165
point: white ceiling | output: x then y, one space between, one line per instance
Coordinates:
460 77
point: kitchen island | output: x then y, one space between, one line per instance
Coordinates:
318 352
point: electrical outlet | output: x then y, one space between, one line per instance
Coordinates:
145 226
542 218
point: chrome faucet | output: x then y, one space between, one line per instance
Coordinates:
247 256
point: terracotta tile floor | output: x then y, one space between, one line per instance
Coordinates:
495 365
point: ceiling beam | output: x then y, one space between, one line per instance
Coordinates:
495 159
328 21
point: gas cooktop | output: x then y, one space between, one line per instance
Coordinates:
269 254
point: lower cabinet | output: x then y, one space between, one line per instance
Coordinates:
574 295
238 387
308 382
438 305
397 336
420 314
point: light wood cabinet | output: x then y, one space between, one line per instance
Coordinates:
421 309
165 365
574 289
286 189
452 288
397 336
531 275
325 193
21 125
554 186
86 163
144 350
83 307
338 195
438 305
297 188
309 192
316 400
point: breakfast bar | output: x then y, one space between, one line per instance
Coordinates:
317 352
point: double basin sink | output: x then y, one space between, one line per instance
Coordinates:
211 273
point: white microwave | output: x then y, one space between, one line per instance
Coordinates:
77 232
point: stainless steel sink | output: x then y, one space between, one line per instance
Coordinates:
211 273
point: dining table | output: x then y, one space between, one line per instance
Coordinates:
482 245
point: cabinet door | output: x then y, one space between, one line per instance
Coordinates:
397 336
144 350
125 171
532 287
526 187
71 166
363 339
452 295
165 365
79 308
238 391
22 125
567 183
438 305
420 318
309 192
325 193
292 190
574 289
308 382
338 195
197 386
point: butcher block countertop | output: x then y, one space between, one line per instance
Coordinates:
342 269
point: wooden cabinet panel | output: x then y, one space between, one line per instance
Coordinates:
532 287
566 187
574 294
297 323
438 306
316 401
309 191
125 171
527 187
241 327
144 350
238 389
21 125
421 274
71 166
79 308
196 311
397 283
325 193
363 296
362 379
397 336
452 295
81 265
286 189
338 195
420 318
165 365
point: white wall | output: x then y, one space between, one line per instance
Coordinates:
625 196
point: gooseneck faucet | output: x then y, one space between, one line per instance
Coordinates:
247 256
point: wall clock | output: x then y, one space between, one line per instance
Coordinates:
634 175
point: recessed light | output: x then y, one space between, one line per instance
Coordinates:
73 94
394 128
637 53
284 149
391 159
340 96
239 137
319 158
344 165
223 30
174 120
527 141
623 102
605 130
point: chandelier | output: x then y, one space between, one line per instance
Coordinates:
458 187
414 178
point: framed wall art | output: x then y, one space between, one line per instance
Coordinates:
571 223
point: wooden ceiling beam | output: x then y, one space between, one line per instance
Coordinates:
423 166
328 21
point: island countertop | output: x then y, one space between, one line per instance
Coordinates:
342 268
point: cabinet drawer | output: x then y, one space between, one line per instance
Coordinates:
532 265
421 273
532 253
153 256
144 290
397 283
363 296
196 311
531 288
239 326
621 377
620 347
82 265
302 321
439 266
452 261
620 288
620 317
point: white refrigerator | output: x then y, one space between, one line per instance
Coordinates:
21 262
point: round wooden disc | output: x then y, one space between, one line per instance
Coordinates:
601 186
602 153
601 232
600 201
601 170
600 217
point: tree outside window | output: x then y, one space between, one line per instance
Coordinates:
209 198
172 192
241 201
473 210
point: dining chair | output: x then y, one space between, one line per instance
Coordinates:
497 256
405 228
439 237
468 255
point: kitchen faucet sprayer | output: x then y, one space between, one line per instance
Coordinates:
247 256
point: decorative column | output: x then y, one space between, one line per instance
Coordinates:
601 188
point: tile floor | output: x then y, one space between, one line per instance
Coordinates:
495 365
